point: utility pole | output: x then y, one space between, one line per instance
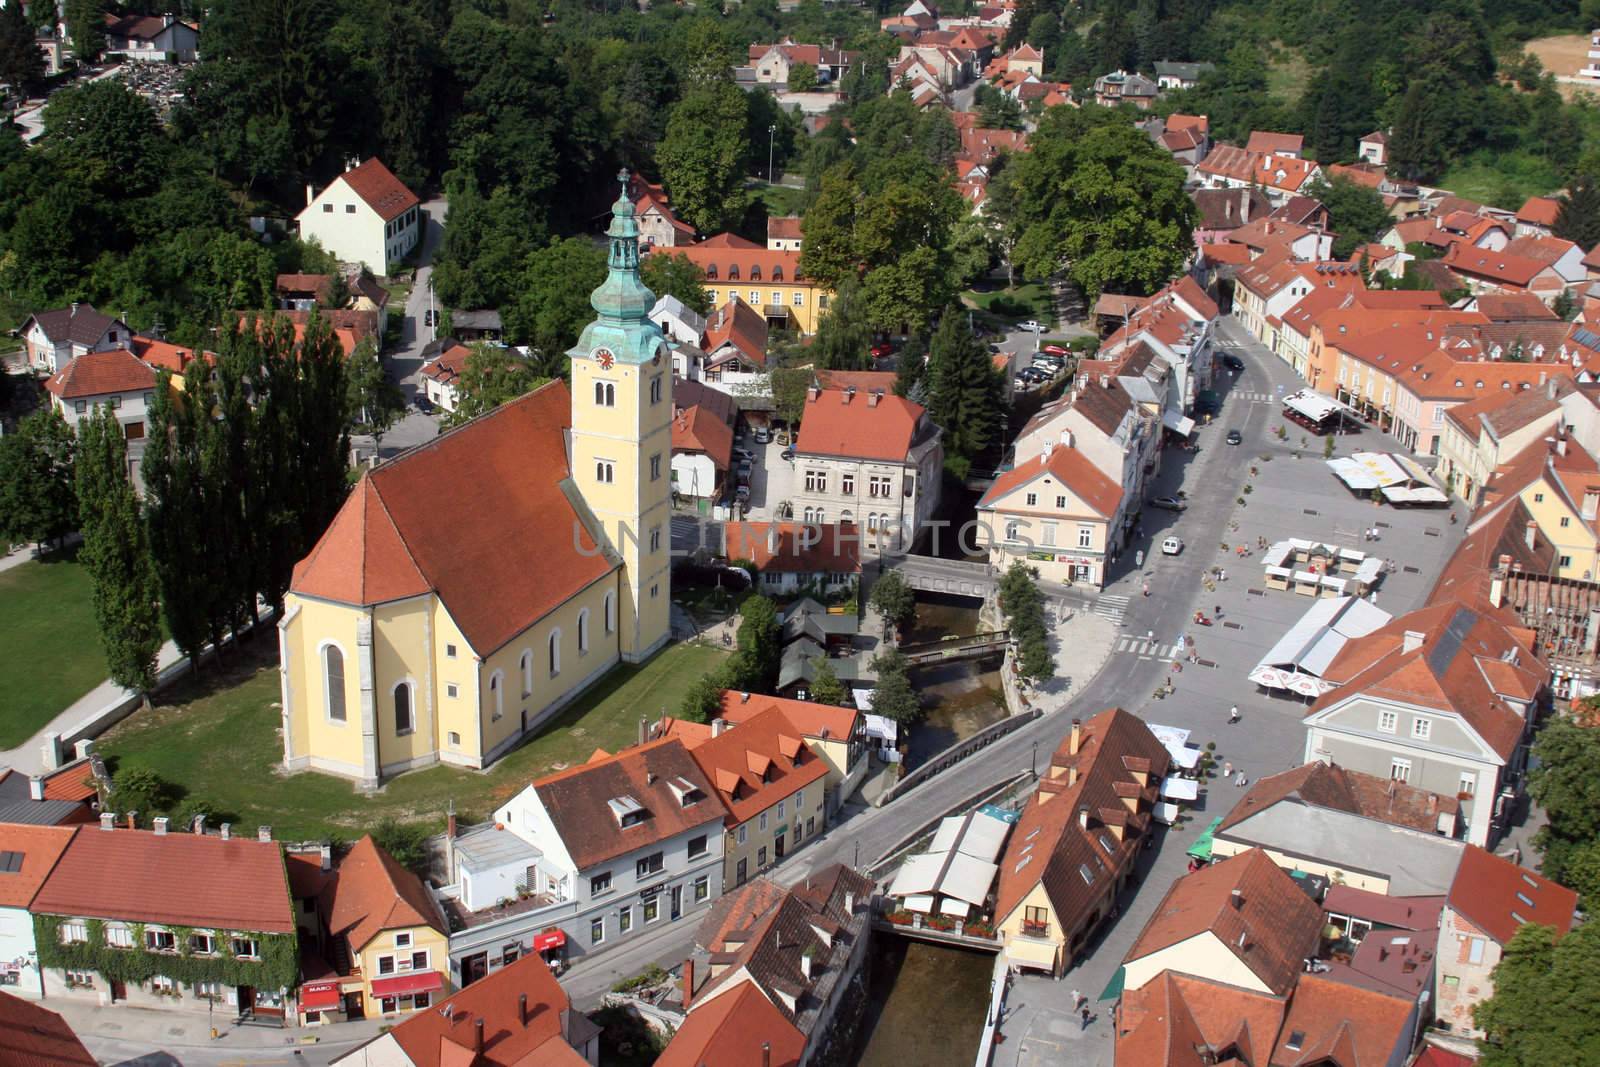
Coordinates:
772 133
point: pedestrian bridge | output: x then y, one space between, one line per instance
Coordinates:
956 649
952 577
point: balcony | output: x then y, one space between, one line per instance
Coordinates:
1033 929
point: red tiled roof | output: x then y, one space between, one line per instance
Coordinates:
1515 307
1501 267
1342 1023
742 326
1274 143
1202 123
34 1036
40 848
814 720
730 1031
441 517
1327 785
178 879
783 228
447 366
72 782
1434 1056
698 429
1161 1023
370 893
766 740
1271 926
796 547
320 286
102 374
1243 165
382 191
444 1035
1071 469
1224 252
1049 845
1539 210
1369 177
575 800
835 424
1402 913
164 355
1499 897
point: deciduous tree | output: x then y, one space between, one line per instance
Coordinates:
1564 783
893 600
892 695
37 502
826 687
702 156
1578 218
666 274
1542 1010
552 306
21 61
375 401
491 376
1356 213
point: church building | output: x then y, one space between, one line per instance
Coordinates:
472 587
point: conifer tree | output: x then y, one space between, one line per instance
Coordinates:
173 512
1578 218
116 553
964 395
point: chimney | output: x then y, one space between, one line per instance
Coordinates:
644 730
522 1010
477 1036
311 194
450 822
35 787
1238 900
325 857
718 726
849 394
812 393
805 965
850 903
1227 209
873 398
744 698
198 826
160 825
649 777
1411 642
108 820
688 982
1072 776
1083 817
263 833
133 820
1075 739
766 1054
227 830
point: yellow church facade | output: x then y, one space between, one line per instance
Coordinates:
474 586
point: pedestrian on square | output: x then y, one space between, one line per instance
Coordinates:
1227 768
1086 1017
1233 715
1077 1000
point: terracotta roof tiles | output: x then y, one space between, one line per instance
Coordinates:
370 893
752 767
39 847
731 1030
102 374
795 547
824 721
32 1035
380 189
837 424
1499 897
1067 466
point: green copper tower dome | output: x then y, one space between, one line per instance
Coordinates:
623 327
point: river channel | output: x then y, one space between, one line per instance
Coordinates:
926 1005
960 698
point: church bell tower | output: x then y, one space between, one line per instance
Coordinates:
622 435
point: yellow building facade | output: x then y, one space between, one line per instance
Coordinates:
474 586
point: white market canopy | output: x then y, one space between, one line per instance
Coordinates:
1313 406
1401 478
1176 740
960 864
1177 422
1180 789
1300 656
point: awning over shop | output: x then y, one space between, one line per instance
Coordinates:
921 902
548 940
319 996
406 984
1176 740
955 907
1113 988
1298 658
1180 789
1201 849
1178 423
1397 494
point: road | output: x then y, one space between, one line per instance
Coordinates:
405 359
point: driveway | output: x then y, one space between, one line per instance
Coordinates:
405 359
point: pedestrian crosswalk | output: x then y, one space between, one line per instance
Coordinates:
1144 648
1254 398
1110 606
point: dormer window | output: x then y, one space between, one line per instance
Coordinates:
733 272
777 274
687 792
627 811
711 272
755 272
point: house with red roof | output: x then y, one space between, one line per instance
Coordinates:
1282 144
1536 215
768 280
1443 698
1059 512
772 787
32 1036
219 900
32 852
1503 271
442 370
1490 900
870 458
702 438
834 733
659 225
365 215
115 379
56 337
1076 843
1231 167
790 557
516 1017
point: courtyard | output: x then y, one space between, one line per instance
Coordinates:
216 739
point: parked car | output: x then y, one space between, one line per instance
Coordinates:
1030 326
787 454
744 454
1055 350
762 435
424 405
1232 362
882 349
1172 546
1168 503
1209 402
1235 437
1053 364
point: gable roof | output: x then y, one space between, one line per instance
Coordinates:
732 1031
1051 847
758 763
1502 267
444 1035
1499 897
1167 1021
32 1035
738 324
1328 785
1342 1023
1539 210
795 547
102 374
176 879
576 800
837 423
38 848
370 893
320 286
446 515
447 366
80 324
380 189
1270 926
726 258
783 228
1271 143
1068 466
825 721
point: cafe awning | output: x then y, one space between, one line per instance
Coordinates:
548 940
920 902
1180 789
406 984
1177 422
1113 988
1201 849
319 996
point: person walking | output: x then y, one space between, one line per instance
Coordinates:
1233 715
1227 769
1077 1000
1086 1017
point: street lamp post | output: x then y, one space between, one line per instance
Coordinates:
772 133
1033 761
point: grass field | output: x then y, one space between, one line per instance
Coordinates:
217 740
50 652
1287 75
1010 306
1501 179
780 199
